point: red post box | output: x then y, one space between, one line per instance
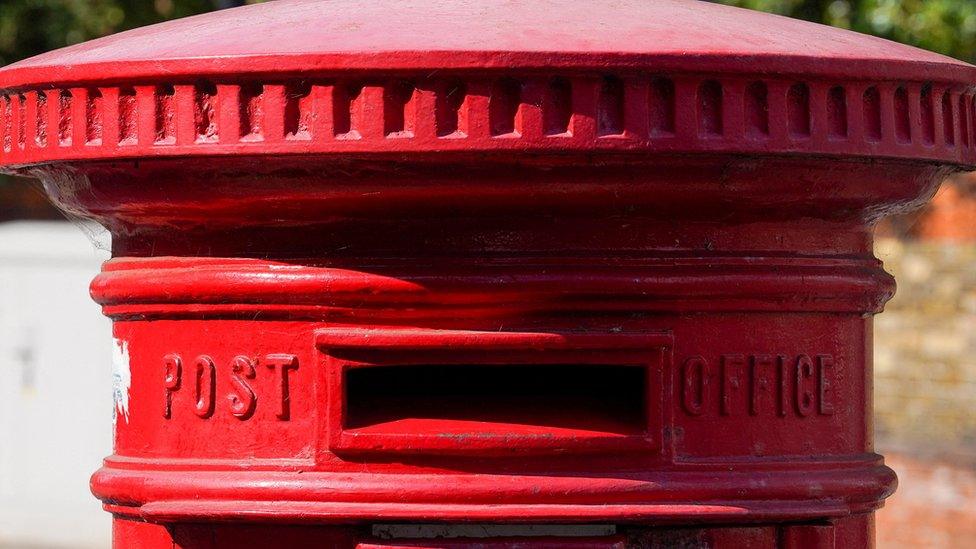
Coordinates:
495 274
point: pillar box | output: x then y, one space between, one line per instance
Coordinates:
517 274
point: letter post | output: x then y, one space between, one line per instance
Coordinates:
553 274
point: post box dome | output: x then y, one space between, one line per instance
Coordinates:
670 76
303 35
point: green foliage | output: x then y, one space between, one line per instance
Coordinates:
30 27
944 26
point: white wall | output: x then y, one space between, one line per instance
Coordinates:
55 387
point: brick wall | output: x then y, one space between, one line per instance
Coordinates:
925 350
934 507
949 217
925 392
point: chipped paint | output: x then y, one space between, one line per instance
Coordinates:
121 379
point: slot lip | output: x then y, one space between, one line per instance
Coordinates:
418 339
345 348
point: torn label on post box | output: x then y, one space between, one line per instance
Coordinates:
121 379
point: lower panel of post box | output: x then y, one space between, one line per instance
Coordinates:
856 531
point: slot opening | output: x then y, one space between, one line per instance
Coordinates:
459 398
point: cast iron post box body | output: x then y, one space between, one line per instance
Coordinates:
599 270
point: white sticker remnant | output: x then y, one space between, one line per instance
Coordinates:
121 379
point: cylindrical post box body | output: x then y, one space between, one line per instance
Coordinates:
496 275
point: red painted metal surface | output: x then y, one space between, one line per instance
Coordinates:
498 263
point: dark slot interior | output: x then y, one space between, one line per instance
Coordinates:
604 398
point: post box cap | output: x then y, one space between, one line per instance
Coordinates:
405 76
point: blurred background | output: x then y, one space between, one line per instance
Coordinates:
55 354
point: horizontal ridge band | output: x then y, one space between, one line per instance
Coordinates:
180 286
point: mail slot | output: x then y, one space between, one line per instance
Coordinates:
490 274
601 399
483 393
